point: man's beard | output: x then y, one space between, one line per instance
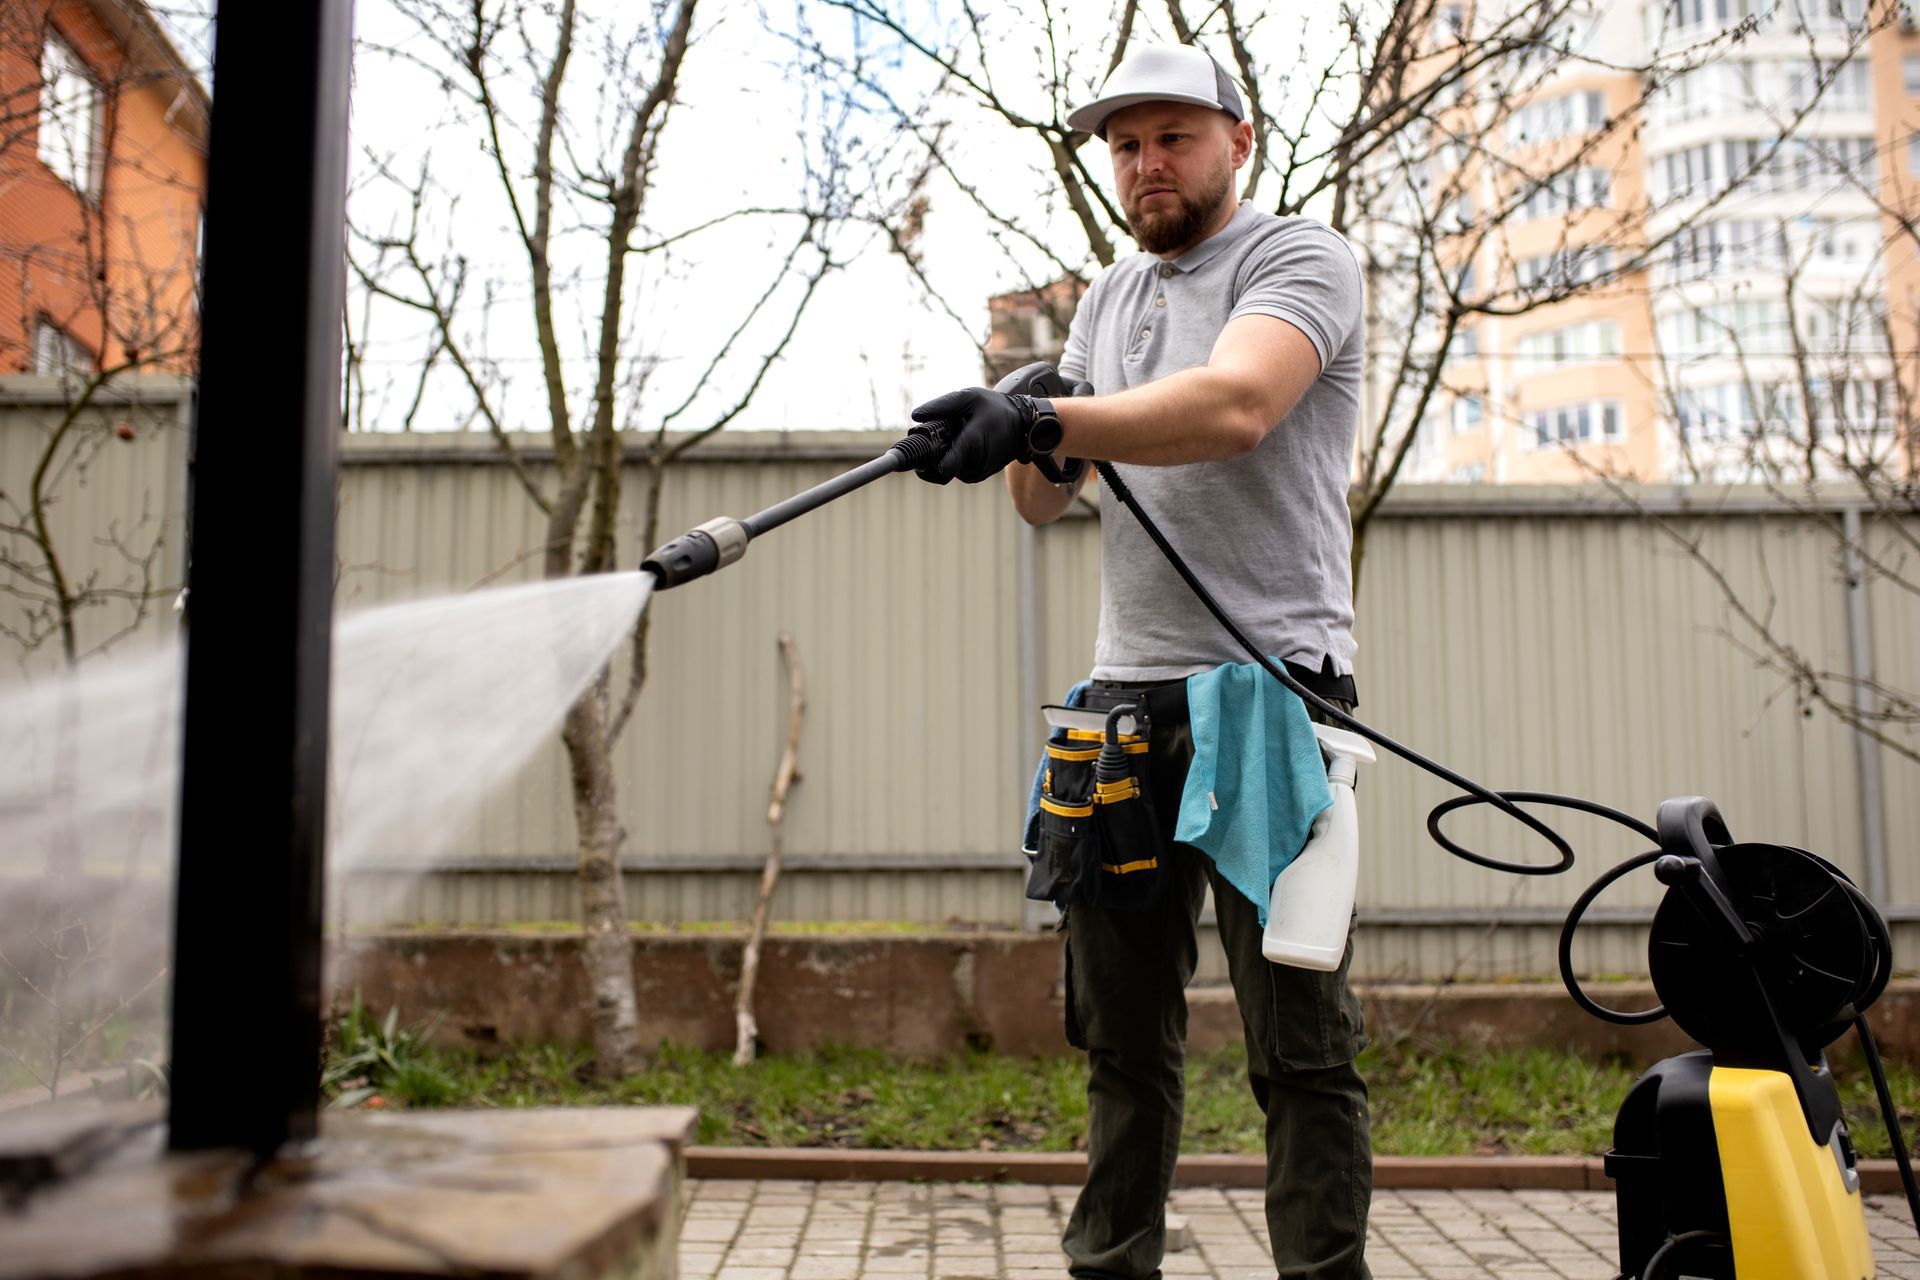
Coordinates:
1181 228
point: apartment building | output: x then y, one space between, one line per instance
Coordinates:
102 167
1718 244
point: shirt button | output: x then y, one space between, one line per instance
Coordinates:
1146 333
1165 272
1160 301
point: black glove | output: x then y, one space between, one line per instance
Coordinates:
985 431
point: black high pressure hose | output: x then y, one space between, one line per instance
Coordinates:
1892 1114
1505 801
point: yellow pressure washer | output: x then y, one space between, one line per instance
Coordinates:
1729 1163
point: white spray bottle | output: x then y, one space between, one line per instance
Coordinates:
1312 900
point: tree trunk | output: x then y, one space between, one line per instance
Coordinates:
608 949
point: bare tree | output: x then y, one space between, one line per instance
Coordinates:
569 112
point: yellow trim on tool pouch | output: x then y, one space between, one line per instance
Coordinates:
1092 753
1115 792
1095 735
1127 868
1788 1207
1066 811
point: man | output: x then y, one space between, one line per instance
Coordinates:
1227 362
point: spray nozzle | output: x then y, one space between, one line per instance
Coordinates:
697 552
1345 751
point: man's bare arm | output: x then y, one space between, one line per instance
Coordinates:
1258 369
1038 499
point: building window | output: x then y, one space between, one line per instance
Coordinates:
1586 343
1768 15
1732 411
1796 166
1563 193
54 352
1910 75
1468 413
1712 247
1564 268
69 114
1913 154
1584 422
1558 117
1458 214
1742 328
1685 14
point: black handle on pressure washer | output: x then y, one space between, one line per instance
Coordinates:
721 541
1691 828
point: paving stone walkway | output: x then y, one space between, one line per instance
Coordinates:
973 1231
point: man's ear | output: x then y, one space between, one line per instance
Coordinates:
1242 142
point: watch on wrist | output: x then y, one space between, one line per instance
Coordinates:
1043 427
1044 434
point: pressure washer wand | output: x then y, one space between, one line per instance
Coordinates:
721 541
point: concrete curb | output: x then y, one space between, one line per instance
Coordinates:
1483 1173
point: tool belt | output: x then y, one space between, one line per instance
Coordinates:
1105 840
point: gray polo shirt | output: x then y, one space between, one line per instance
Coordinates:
1267 532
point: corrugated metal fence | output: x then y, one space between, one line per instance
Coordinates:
1537 639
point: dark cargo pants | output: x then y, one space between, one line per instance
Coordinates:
1127 974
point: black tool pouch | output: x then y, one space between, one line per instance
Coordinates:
1097 840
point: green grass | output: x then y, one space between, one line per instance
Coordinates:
1523 1102
778 928
1425 1102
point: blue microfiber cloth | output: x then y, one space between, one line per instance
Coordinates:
1030 834
1257 781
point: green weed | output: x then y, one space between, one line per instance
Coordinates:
368 1060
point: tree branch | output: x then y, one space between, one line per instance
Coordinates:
785 775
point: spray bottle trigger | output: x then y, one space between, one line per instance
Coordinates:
1336 743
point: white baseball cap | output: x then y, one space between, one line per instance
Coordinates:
1161 73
